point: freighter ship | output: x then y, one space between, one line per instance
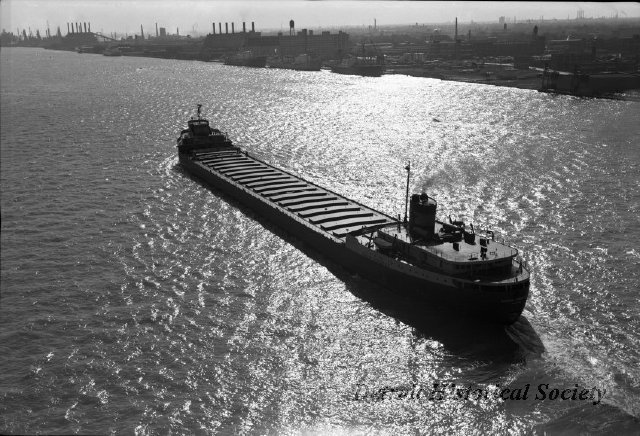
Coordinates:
438 263
303 62
246 59
372 67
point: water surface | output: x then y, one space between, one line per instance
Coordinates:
135 299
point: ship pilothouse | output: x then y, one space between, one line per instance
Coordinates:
199 135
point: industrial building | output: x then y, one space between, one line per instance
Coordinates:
324 45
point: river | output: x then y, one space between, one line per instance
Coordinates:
136 300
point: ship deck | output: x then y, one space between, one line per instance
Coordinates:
330 212
464 254
465 262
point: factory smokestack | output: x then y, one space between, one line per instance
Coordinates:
141 32
233 28
85 27
89 27
220 27
214 28
244 27
156 30
456 40
253 28
67 28
226 27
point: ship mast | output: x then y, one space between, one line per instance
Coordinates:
406 197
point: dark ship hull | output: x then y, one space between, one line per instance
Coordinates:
254 62
299 63
285 66
372 70
233 172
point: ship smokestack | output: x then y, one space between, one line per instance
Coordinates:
253 28
233 28
422 216
244 27
226 28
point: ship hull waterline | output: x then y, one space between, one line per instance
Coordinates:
486 307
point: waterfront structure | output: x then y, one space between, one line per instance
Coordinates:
588 85
324 45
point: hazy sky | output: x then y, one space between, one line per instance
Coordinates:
127 16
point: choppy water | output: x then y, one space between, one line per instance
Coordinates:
134 299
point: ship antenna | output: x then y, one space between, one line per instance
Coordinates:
199 106
406 198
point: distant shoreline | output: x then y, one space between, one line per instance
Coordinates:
521 79
531 82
